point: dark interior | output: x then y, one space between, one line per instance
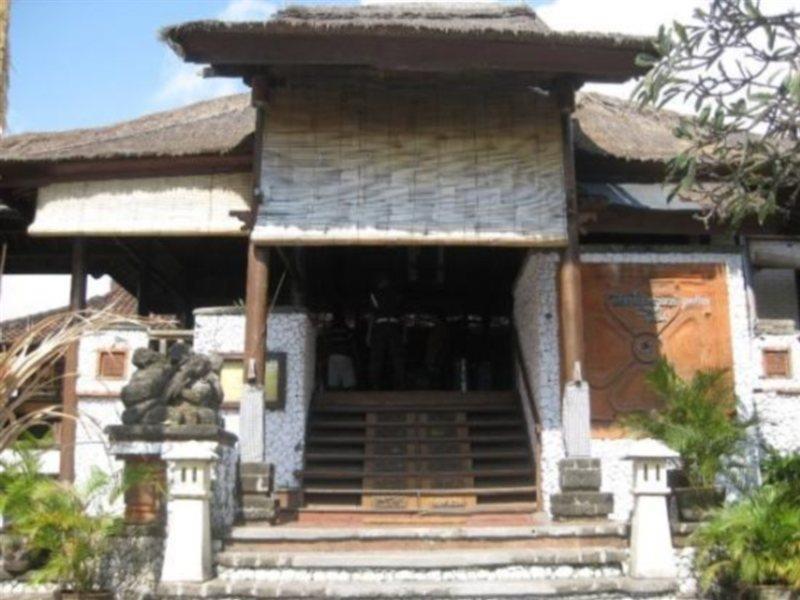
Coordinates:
454 316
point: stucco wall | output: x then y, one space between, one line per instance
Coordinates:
98 399
777 400
290 331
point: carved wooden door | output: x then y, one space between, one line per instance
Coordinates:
636 313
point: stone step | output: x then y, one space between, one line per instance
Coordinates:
549 531
579 588
415 565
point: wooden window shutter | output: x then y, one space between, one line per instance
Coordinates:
111 364
777 363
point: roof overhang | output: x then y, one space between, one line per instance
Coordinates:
240 48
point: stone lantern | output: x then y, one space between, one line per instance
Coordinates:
187 555
652 554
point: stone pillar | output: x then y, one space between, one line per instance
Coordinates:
187 553
651 553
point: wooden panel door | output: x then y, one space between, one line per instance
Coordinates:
636 313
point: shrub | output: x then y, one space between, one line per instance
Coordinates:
70 527
695 421
783 470
755 541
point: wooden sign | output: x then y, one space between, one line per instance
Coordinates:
636 313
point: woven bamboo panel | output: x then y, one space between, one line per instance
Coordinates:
191 205
380 162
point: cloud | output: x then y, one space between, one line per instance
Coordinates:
183 83
631 17
247 10
29 294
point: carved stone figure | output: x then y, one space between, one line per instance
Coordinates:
181 389
143 397
194 395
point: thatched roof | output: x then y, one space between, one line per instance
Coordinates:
486 21
418 19
409 37
220 126
617 128
607 127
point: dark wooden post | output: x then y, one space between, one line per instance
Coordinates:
69 395
571 308
257 285
256 307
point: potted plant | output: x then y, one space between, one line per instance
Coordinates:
697 421
752 548
71 527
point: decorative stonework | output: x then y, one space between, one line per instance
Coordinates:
221 330
536 320
182 388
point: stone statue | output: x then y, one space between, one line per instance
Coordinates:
143 397
194 395
180 389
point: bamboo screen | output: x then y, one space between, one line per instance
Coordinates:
190 205
384 163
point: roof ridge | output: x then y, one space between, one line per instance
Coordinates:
127 122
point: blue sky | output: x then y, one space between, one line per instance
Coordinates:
79 63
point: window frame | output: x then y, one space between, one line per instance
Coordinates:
282 358
99 367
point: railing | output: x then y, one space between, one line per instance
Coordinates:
162 339
530 397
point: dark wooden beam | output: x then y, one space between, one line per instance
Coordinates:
570 294
256 309
598 60
37 174
69 395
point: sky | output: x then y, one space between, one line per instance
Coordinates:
85 63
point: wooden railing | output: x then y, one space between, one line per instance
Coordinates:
530 399
162 339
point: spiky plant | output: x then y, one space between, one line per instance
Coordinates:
755 541
695 420
28 364
71 526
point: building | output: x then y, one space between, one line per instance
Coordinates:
542 270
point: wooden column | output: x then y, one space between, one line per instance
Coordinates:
257 285
69 396
571 309
256 308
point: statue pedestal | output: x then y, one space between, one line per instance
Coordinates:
193 457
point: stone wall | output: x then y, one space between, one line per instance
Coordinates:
536 321
223 492
221 330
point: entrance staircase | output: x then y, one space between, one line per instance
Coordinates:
557 560
418 453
